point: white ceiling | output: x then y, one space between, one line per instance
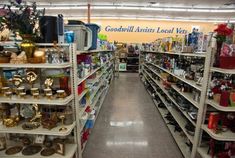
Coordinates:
134 8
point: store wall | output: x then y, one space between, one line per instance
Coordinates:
138 31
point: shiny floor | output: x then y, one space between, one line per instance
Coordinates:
129 125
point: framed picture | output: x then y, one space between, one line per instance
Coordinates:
60 148
2 143
39 139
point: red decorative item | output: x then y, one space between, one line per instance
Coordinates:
222 32
222 29
81 87
213 120
212 147
88 109
227 62
85 135
224 99
223 155
216 90
64 84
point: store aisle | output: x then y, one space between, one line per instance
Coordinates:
129 125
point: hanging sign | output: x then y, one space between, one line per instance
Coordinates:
138 29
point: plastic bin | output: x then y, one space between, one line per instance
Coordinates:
95 30
82 36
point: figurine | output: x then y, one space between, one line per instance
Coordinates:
20 59
37 115
31 77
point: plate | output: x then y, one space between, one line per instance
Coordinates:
48 152
13 150
31 150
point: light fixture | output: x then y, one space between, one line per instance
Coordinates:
104 7
62 7
175 9
151 9
223 11
128 8
198 10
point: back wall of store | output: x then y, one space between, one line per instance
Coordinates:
139 31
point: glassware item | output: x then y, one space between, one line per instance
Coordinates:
34 90
36 95
22 95
4 90
61 94
69 117
49 56
49 96
28 46
8 94
64 84
63 128
47 91
20 90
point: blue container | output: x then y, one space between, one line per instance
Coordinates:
89 124
69 37
95 30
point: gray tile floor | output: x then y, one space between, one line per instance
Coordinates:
129 125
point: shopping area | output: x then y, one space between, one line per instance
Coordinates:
121 79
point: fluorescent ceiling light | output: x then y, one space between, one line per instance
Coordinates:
223 11
111 7
155 18
175 9
198 10
104 7
63 8
129 8
151 8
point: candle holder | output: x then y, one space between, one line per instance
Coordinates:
22 95
36 95
61 94
63 128
4 90
20 90
48 93
49 96
34 91
8 94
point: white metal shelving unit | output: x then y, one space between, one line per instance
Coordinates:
96 96
92 51
223 136
71 149
179 139
45 66
69 153
176 114
31 100
180 116
172 99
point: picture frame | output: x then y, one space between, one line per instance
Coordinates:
2 143
60 148
39 139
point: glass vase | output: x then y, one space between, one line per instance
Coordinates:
217 55
28 46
